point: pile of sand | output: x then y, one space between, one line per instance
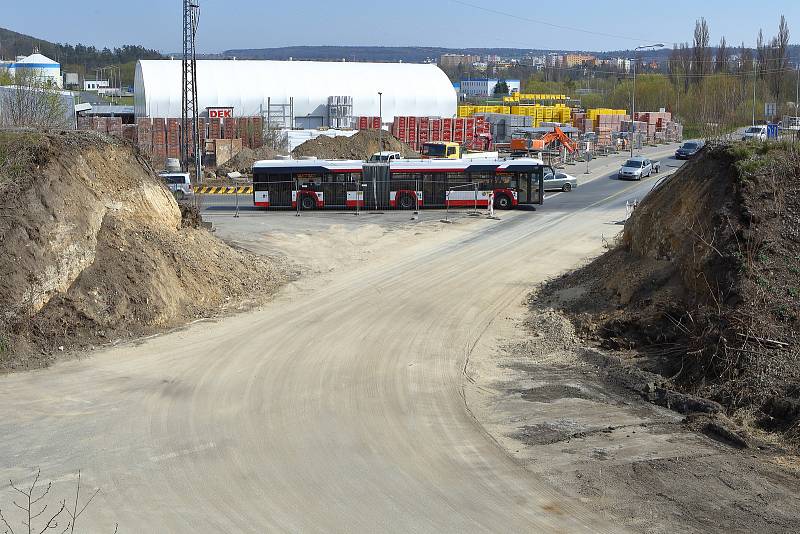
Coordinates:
92 248
244 160
362 145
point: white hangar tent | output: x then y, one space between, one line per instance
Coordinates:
246 86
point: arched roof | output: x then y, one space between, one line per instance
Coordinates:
245 85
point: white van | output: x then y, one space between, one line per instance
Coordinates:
758 133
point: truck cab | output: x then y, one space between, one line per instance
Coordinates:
442 149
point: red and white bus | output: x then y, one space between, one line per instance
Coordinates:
400 184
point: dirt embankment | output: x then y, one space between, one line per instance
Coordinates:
704 289
92 248
362 145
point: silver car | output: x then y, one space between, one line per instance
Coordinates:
179 183
638 168
560 181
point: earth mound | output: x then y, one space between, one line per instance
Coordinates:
704 288
93 248
361 145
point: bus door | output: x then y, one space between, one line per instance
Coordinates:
334 187
280 189
530 186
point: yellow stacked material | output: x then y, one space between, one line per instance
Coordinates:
592 114
539 113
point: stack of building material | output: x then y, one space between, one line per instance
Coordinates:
144 128
173 138
655 120
230 127
471 132
502 126
114 125
130 133
159 139
214 128
368 123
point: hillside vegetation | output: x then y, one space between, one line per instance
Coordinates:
704 288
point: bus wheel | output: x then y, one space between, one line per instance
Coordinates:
307 203
502 202
405 202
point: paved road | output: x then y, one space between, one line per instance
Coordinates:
337 408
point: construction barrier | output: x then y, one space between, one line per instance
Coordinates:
231 190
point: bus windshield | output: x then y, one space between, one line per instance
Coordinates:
435 150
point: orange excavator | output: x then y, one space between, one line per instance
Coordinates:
526 143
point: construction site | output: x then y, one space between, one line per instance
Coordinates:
262 303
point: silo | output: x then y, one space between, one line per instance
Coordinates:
38 66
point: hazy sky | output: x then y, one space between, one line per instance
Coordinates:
226 24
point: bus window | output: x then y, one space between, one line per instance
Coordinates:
451 151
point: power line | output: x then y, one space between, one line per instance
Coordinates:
550 24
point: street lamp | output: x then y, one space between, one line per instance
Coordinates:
380 125
633 104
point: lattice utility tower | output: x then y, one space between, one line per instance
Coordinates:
190 139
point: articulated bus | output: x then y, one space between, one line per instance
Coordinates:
399 184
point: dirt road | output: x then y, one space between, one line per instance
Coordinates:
337 408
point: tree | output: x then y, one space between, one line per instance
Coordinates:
32 102
702 58
501 88
723 53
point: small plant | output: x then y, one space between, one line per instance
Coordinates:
794 292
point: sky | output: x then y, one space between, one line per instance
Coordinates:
597 25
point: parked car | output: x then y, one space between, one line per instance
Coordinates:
638 168
689 149
560 181
757 133
179 183
385 156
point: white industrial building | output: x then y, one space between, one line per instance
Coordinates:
259 87
37 66
485 86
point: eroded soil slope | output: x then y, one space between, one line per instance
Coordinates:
704 289
92 248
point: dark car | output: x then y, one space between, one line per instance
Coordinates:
688 149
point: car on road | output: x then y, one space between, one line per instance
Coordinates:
757 133
560 181
179 183
638 168
689 149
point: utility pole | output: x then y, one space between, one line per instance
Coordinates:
633 100
754 90
190 138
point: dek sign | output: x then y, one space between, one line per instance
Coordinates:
220 113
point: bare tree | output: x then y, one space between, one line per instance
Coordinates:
32 102
702 57
33 505
777 54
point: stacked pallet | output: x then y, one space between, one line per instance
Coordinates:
656 121
368 123
144 129
471 132
173 138
159 140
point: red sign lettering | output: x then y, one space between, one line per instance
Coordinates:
220 113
